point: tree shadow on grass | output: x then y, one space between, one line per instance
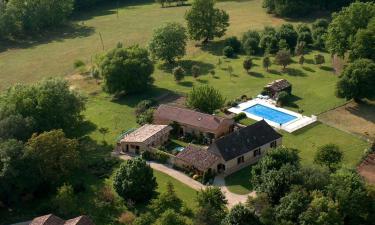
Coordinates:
308 69
309 61
327 68
295 72
67 32
256 74
186 83
292 101
363 110
272 71
84 128
213 47
187 65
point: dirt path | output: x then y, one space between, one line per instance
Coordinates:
219 181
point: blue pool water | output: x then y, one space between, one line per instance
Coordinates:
179 149
270 114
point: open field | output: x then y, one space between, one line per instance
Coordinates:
54 54
352 117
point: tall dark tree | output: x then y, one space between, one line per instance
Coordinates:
329 155
241 215
286 32
205 98
211 206
357 81
135 181
250 42
206 22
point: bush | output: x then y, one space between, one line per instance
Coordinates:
283 98
319 59
78 63
234 43
135 180
102 167
195 71
239 116
142 106
228 51
178 73
126 218
146 117
247 64
158 156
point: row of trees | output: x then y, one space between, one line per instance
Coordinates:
352 33
301 8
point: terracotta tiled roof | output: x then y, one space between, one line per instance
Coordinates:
189 117
278 85
81 220
244 140
145 132
49 219
198 157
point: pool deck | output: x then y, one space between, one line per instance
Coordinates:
291 126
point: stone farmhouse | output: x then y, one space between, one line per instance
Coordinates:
229 147
232 152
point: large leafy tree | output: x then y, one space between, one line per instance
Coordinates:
206 22
241 215
170 217
51 104
329 155
291 206
348 190
166 200
357 81
250 42
321 210
283 58
53 155
205 98
126 70
169 42
363 45
286 32
345 25
211 206
135 180
17 127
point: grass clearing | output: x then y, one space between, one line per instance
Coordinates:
239 182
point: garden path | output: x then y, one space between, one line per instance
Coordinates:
219 181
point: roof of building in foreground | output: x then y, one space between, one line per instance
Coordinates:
51 219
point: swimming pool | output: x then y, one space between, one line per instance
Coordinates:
270 114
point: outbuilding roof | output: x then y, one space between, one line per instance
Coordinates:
189 117
198 157
278 85
244 140
51 219
145 132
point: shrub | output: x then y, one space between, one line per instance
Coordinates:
126 218
158 156
228 51
205 98
78 63
247 64
65 200
301 60
146 117
195 71
283 98
319 59
142 106
178 73
135 180
239 116
234 43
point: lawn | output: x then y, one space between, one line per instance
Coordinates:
239 182
54 54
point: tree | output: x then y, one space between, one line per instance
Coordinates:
54 155
47 105
135 181
65 200
250 42
283 98
167 200
17 127
103 131
269 41
266 62
234 43
230 71
321 210
206 22
211 206
329 155
161 2
228 52
195 71
319 32
241 215
314 178
126 70
345 25
348 190
363 46
169 42
247 64
291 206
319 59
287 33
283 58
301 60
205 98
304 34
357 81
178 73
170 217
283 45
